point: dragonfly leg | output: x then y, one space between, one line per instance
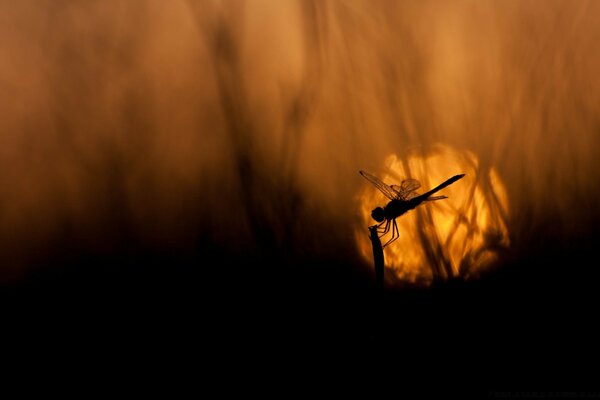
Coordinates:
395 233
391 238
394 227
385 229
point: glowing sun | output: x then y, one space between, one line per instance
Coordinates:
455 237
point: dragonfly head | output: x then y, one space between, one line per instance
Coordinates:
377 214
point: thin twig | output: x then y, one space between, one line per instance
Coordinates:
377 257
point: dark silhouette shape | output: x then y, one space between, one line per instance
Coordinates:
403 198
377 257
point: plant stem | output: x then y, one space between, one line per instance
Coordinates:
377 258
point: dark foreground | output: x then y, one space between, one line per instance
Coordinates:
530 326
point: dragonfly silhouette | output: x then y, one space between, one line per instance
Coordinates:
403 198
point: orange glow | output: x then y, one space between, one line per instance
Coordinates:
159 125
456 237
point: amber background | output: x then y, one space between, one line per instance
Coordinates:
210 149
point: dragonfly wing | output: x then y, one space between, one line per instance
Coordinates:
431 198
403 194
411 195
410 185
406 190
397 189
379 184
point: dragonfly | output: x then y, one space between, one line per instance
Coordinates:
403 198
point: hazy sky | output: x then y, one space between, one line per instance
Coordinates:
159 125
